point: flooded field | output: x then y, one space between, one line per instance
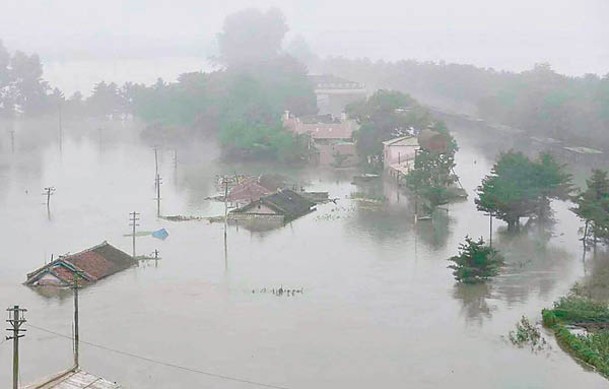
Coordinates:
378 306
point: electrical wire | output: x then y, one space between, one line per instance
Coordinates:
162 363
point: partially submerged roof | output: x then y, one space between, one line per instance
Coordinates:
250 190
76 379
407 140
285 202
91 264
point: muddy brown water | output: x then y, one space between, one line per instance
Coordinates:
378 307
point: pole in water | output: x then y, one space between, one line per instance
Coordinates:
76 322
157 182
16 320
133 223
48 192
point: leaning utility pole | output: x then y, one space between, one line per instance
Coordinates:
15 319
133 223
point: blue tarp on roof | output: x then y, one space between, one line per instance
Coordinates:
161 234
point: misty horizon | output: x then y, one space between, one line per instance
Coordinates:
505 37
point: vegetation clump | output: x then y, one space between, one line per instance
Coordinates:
527 333
476 262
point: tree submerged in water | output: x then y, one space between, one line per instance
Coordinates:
476 262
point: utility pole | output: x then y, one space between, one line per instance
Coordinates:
157 183
225 182
133 223
175 166
76 328
156 258
156 162
16 320
48 192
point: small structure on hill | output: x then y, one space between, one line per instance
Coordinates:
334 93
399 154
284 206
91 265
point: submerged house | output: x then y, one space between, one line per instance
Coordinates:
283 206
248 191
91 265
331 138
399 154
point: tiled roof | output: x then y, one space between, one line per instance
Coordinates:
95 263
249 190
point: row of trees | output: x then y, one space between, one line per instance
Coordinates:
539 100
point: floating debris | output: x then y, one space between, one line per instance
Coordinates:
279 292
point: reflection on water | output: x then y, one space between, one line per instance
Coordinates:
380 309
475 306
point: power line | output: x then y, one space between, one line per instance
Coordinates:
166 364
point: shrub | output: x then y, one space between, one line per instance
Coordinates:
476 262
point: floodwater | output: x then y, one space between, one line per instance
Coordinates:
378 307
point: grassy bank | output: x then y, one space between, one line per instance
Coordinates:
591 347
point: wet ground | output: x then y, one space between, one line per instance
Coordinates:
378 307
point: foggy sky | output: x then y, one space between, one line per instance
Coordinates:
513 35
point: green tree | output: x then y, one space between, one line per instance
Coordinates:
432 175
6 103
518 187
553 182
475 262
385 115
592 206
508 193
28 89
